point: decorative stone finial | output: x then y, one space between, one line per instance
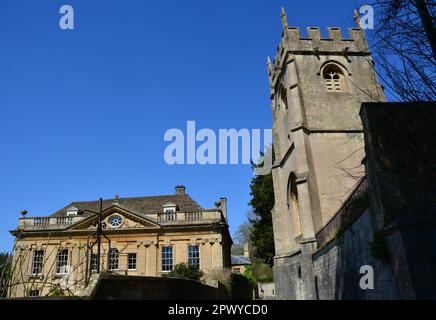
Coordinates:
268 63
284 19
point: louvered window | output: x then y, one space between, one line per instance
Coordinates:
334 79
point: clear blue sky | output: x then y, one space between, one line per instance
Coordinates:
83 112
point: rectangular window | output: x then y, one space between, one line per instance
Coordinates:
113 259
94 262
132 261
62 262
37 262
33 293
167 259
194 256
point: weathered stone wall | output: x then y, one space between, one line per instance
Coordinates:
337 265
289 286
337 161
155 288
400 141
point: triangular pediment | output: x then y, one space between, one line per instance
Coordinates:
116 218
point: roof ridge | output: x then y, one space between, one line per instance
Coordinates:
130 198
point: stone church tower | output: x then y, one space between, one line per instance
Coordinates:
317 87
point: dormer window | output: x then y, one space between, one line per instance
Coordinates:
169 207
72 211
334 78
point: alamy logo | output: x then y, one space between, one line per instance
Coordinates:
228 146
367 280
367 18
67 20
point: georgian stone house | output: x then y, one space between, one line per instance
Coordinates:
144 236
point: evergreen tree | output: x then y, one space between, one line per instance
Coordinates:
262 202
5 272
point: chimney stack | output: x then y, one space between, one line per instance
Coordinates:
246 251
180 190
223 207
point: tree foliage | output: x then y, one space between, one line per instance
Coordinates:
262 202
262 272
405 48
5 272
241 237
241 279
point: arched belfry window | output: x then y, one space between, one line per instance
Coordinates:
294 205
334 78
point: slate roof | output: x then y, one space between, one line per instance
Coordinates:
143 205
240 260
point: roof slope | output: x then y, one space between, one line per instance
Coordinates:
143 205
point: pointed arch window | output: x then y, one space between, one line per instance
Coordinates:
334 78
294 206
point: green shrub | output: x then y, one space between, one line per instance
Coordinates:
57 292
262 272
185 271
249 274
238 278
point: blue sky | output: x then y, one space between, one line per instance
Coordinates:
84 112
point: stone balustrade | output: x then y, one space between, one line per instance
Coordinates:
56 223
45 223
187 217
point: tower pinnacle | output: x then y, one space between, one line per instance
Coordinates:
284 19
357 19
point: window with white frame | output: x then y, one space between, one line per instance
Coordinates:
94 263
113 259
169 207
194 256
131 261
167 259
37 262
62 261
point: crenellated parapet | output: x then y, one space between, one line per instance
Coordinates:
336 43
